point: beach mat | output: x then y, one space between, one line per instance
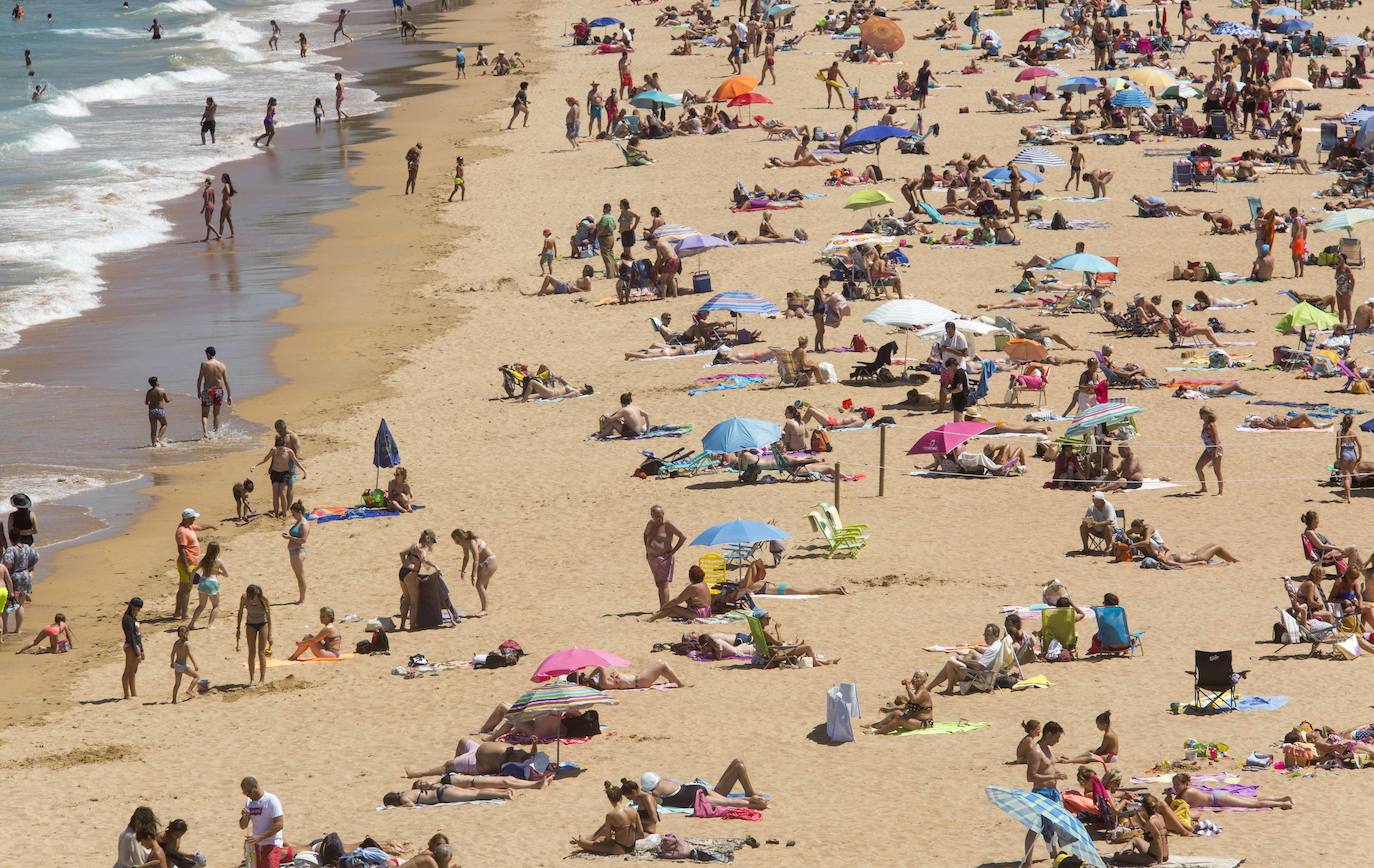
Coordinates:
273 662
721 849
947 728
786 596
937 474
322 514
1201 862
655 431
1245 430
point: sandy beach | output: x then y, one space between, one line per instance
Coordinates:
405 309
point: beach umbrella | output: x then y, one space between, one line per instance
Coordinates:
778 10
1304 314
734 86
1038 157
648 99
1234 28
1023 350
947 437
1102 414
1345 221
1033 72
1346 40
1180 91
1002 175
908 313
738 433
882 34
876 134
1079 84
867 199
1086 262
967 326
1131 98
385 452
604 22
739 532
1030 35
1038 814
751 98
1051 34
695 245
739 302
569 660
856 239
1283 12
555 697
1292 84
1294 25
1151 76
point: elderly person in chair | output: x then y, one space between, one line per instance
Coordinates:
968 663
1099 521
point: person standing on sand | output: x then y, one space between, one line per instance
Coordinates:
282 472
156 400
1044 779
301 39
628 224
572 122
459 185
207 120
207 209
263 811
627 81
212 385
521 105
293 442
133 647
339 113
188 556
548 253
413 167
227 192
662 539
460 64
595 106
269 120
296 537
339 25
476 550
276 35
183 663
606 229
255 613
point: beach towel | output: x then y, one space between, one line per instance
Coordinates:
767 205
1320 408
1246 430
704 808
1035 681
1261 703
322 514
1072 224
656 431
728 383
1201 862
938 474
274 662
1168 777
947 728
786 596
1084 199
557 400
449 804
646 849
1221 343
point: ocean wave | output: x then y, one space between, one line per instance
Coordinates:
100 32
307 11
225 33
45 483
185 7
48 140
65 106
125 89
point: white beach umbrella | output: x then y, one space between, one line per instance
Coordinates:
1038 157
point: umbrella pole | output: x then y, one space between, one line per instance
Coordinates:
882 459
837 485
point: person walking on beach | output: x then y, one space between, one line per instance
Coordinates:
662 539
301 39
269 120
227 192
276 35
339 113
188 556
207 120
206 581
459 185
156 400
255 613
521 105
20 561
475 549
339 25
1211 450
573 122
212 385
296 537
263 812
460 64
183 663
413 167
133 647
1044 779
1297 232
207 209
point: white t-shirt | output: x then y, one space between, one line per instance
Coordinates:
130 852
958 342
261 813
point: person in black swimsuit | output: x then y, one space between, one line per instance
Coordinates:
672 794
133 646
23 525
914 713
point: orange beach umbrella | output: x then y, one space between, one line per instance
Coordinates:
735 86
882 34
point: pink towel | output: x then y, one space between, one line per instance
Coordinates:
704 808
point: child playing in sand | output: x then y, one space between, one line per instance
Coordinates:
157 400
1106 751
183 663
1027 742
243 510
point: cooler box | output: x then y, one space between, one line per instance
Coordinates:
701 281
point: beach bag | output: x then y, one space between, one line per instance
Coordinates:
1123 553
1218 359
374 499
858 344
820 441
584 725
838 728
378 644
1058 221
1359 387
751 474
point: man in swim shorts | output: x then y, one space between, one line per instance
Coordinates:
188 555
661 541
212 385
207 120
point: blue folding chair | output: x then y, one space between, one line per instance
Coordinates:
1114 634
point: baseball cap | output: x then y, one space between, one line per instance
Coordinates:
648 781
189 513
1097 495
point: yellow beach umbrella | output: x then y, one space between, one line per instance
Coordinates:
735 86
1292 84
1150 76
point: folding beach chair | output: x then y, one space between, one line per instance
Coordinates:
1102 546
1015 390
1189 127
631 159
713 565
766 654
1204 171
667 337
1106 278
836 542
832 514
1114 636
787 369
1059 625
784 467
1180 178
1316 633
1215 680
870 370
1217 126
1353 252
1256 205
1004 665
1329 139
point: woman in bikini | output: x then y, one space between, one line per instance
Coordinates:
916 713
1323 551
1152 848
206 579
1211 448
58 635
226 199
618 833
483 564
283 467
1200 798
755 582
1347 592
1348 452
254 608
325 643
295 538
673 794
644 803
412 560
694 601
443 794
207 209
1107 751
1031 728
602 678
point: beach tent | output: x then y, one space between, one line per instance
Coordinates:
1304 314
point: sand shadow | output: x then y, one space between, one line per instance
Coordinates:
105 701
626 614
818 735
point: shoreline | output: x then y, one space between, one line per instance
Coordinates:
305 395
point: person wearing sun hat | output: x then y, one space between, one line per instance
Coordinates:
188 555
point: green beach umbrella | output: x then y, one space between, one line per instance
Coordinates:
867 199
1304 314
1180 91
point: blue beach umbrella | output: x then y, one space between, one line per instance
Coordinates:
1234 28
1089 262
1131 98
875 134
1039 814
604 22
693 245
739 302
739 532
1283 12
1002 175
1294 25
738 433
385 452
647 99
1079 84
779 9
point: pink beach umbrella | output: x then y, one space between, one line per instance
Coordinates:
947 437
1033 72
568 660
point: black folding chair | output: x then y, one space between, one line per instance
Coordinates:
868 370
1215 679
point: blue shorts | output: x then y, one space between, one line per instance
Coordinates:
1047 827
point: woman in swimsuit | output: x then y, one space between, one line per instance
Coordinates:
659 351
269 120
694 601
755 582
280 471
207 209
207 584
1323 551
23 523
483 563
226 198
1027 742
1284 423
1199 798
295 546
672 794
1107 751
1348 452
1346 591
1152 848
602 678
735 356
473 757
412 560
1211 448
818 310
645 804
322 644
915 713
58 635
253 604
442 794
618 833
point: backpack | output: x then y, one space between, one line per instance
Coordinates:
331 849
751 474
378 644
1058 221
820 441
584 725
858 344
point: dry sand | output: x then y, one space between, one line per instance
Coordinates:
564 516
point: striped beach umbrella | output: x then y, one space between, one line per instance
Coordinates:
739 302
1346 40
1102 414
1038 157
1345 221
556 697
1180 91
1039 814
1131 98
857 239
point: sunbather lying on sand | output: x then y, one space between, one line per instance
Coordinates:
659 351
734 237
1212 390
796 463
1184 789
1285 423
844 420
556 388
755 582
473 757
1148 541
602 678
809 160
736 356
441 795
553 286
672 794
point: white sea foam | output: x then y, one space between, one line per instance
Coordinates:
185 7
45 483
65 106
101 32
129 89
48 140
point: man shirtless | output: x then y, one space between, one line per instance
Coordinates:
292 441
1044 779
628 421
662 539
212 385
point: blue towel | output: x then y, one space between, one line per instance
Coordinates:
724 385
1261 703
360 512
